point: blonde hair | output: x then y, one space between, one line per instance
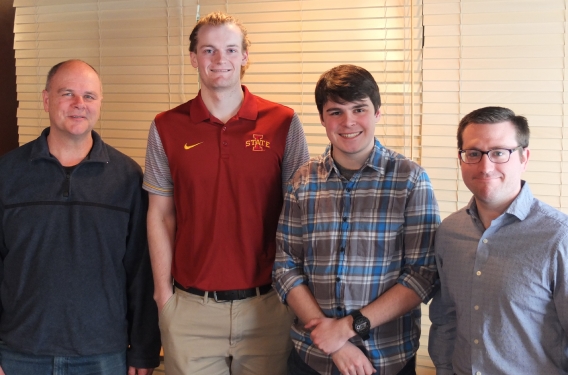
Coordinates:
219 19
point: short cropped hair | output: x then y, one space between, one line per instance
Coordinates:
56 67
346 83
218 19
495 115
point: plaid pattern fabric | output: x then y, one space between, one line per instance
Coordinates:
350 241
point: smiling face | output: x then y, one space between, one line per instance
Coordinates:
73 100
219 56
494 186
350 127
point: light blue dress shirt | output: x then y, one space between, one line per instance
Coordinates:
503 303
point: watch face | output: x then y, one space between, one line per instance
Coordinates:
362 324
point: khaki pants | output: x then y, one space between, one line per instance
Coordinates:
245 337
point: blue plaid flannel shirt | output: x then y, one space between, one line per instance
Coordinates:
350 241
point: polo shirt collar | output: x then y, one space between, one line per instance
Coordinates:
200 113
249 108
98 153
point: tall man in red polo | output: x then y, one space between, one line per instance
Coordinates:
215 168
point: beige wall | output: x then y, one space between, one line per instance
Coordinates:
506 53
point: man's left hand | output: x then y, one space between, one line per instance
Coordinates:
139 371
350 360
329 334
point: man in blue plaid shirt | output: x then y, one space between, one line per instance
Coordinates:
354 254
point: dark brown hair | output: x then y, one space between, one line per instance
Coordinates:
495 115
346 83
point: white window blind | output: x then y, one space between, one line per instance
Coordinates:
140 48
130 43
508 53
314 36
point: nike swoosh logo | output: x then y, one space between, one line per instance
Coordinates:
192 146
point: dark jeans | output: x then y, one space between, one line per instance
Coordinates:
296 366
16 363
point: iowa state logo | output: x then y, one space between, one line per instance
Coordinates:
257 143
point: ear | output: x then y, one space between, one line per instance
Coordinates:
378 114
45 100
245 58
525 155
193 58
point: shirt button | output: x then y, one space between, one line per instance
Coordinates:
476 307
339 308
225 143
478 273
224 128
349 190
338 279
476 341
344 219
485 240
478 373
342 249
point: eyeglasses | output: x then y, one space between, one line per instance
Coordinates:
497 156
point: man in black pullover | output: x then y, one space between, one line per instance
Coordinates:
76 285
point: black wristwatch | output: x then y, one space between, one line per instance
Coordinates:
361 325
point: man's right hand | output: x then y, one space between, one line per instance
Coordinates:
1 371
161 299
161 234
329 334
350 360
